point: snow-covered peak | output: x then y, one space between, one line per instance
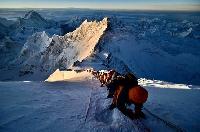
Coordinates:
43 54
88 34
32 19
38 42
88 28
33 15
31 23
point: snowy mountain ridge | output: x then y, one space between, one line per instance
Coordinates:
43 54
154 55
29 24
33 19
158 46
38 42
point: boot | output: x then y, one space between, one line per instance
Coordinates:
110 96
138 111
112 106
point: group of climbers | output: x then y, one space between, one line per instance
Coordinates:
124 90
105 76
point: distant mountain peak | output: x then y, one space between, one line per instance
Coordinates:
33 15
32 19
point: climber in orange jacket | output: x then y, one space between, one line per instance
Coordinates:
127 91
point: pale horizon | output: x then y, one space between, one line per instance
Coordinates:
190 5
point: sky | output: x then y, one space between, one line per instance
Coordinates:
105 4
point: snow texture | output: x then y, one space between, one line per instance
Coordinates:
80 104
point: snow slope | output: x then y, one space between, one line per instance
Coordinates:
176 103
80 104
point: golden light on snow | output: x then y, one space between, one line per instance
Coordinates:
67 75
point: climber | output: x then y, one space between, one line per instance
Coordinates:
103 77
127 91
112 75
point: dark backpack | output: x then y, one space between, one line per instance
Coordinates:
131 79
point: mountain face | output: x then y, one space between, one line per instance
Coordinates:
33 19
43 54
8 51
35 44
155 46
31 23
9 48
131 48
13 34
4 27
3 31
